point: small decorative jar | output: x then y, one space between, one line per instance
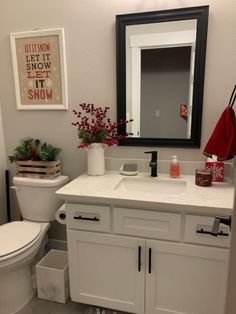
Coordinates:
203 177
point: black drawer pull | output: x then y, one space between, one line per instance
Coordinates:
87 218
206 229
220 233
150 260
139 258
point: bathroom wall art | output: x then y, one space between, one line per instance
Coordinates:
39 66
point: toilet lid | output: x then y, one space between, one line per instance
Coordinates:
16 235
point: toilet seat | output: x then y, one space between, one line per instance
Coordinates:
18 236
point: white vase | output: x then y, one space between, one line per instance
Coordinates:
95 159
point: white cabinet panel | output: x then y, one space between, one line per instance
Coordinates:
88 217
145 223
104 270
185 279
194 223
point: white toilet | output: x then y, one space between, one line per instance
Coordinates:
20 241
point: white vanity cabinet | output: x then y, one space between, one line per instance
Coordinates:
104 270
185 279
146 261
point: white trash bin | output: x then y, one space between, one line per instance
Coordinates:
53 276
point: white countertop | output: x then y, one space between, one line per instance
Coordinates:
216 199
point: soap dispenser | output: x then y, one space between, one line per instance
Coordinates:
174 167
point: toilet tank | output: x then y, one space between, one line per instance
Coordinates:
36 197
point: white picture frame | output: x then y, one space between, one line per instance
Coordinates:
39 68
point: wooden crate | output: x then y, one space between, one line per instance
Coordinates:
38 169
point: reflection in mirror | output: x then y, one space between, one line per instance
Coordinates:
160 73
159 77
165 86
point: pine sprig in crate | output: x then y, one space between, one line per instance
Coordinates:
35 160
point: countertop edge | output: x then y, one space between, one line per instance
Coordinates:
143 205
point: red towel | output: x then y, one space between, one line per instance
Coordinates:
222 142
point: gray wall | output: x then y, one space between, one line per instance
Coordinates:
164 86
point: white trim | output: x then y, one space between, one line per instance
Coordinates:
136 90
169 39
190 98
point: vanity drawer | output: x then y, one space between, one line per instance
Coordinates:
88 217
145 223
204 224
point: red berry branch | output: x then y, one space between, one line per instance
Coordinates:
94 126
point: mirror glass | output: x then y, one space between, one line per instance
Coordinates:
160 74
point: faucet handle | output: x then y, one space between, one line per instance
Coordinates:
154 154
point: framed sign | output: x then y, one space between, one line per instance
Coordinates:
39 65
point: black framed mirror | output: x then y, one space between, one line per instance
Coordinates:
160 76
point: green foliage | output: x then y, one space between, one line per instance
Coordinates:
102 135
31 149
48 152
87 137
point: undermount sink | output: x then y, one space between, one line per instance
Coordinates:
152 185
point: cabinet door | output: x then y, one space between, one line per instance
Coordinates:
105 270
185 279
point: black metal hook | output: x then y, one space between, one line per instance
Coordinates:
232 97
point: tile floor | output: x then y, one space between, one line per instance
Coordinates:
38 306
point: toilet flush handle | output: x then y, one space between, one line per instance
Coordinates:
15 187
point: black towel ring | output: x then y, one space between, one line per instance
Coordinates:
232 97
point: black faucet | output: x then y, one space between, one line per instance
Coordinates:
153 163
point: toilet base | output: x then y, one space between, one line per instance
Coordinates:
16 289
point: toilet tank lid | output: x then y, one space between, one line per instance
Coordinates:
41 182
16 235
